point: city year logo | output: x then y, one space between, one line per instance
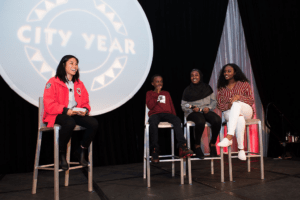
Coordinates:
91 30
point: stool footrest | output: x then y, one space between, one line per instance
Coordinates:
169 160
207 158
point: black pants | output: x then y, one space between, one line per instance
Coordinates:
165 117
68 124
200 119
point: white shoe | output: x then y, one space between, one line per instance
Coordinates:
242 155
225 143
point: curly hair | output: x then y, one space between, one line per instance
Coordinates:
238 76
61 69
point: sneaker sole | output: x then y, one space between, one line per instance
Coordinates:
187 155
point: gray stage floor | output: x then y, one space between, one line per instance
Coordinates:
282 181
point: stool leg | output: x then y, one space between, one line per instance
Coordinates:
56 162
173 152
230 163
145 159
222 154
222 164
248 149
212 166
90 168
148 157
261 152
184 161
67 172
36 162
190 170
181 171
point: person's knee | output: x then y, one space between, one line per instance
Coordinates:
217 120
94 124
236 105
153 120
70 123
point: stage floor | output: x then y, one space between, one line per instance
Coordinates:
282 181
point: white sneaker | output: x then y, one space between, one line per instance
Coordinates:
242 155
225 143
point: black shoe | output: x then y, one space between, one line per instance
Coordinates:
79 153
184 151
213 151
63 162
155 158
199 153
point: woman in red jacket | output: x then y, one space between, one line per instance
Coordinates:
62 94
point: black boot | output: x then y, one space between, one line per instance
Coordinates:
199 153
79 153
155 156
63 162
213 151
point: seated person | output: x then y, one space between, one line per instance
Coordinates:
235 100
61 94
162 109
198 103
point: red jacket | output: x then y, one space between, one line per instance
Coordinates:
157 107
56 98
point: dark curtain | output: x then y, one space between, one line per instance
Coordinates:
272 36
186 35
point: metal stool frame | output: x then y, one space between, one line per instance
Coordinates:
55 167
249 154
147 157
187 126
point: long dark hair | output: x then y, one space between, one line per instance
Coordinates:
239 75
61 69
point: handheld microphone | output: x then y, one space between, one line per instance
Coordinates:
189 106
192 107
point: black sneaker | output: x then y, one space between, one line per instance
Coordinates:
155 158
199 153
213 151
185 152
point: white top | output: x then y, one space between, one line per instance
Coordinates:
72 102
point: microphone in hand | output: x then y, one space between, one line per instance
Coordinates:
190 106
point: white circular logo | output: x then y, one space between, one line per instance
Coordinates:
111 39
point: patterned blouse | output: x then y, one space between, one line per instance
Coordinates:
240 88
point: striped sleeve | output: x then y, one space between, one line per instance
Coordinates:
247 95
222 100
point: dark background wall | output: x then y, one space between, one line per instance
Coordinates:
186 35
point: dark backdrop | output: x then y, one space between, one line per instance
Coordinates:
186 35
272 37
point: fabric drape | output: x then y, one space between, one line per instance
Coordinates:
272 37
233 49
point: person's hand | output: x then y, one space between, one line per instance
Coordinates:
235 98
81 113
158 89
206 110
196 109
71 112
